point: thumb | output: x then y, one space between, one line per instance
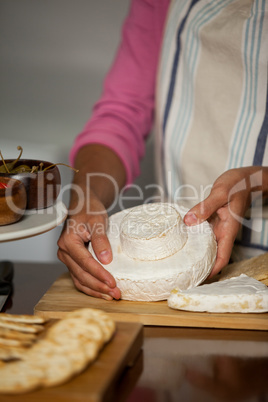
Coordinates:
204 209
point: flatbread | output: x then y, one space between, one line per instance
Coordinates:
256 268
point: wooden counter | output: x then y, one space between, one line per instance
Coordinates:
176 363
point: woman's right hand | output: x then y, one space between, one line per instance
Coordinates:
87 273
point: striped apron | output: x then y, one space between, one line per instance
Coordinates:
211 106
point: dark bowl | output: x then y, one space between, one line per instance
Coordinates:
42 188
13 201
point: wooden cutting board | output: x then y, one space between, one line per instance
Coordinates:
99 382
63 297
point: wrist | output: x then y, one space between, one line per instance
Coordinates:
100 171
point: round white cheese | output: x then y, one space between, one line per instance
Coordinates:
153 280
241 294
152 232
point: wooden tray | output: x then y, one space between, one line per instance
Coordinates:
100 380
63 297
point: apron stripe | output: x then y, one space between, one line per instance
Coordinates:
257 161
178 136
253 30
255 76
175 66
171 89
246 239
262 138
169 34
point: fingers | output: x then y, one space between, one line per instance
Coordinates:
88 291
88 274
224 250
215 208
232 184
92 229
225 227
224 208
89 283
76 251
205 209
92 279
101 247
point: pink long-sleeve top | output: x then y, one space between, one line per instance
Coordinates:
122 118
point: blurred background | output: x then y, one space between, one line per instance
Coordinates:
54 56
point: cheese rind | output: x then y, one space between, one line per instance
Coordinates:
153 280
241 294
152 232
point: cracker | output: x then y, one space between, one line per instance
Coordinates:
53 361
11 352
66 348
104 321
24 318
14 342
18 326
91 350
19 376
86 329
78 357
7 333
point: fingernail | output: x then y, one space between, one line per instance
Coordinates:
190 219
106 297
108 284
112 295
104 256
